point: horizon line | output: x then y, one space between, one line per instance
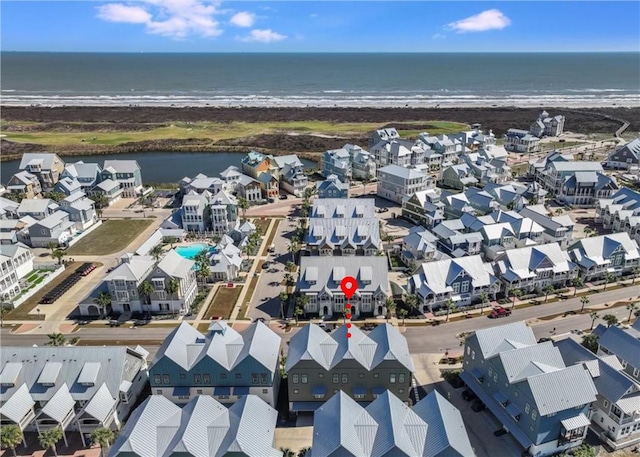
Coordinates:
326 52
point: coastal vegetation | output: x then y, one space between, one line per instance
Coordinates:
112 236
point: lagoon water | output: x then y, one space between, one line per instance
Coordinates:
159 167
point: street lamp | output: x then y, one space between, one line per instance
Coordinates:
38 312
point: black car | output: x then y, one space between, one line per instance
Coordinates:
478 406
468 395
265 265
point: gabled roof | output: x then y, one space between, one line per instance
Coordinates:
17 406
174 265
494 340
562 389
107 185
526 262
122 166
598 249
437 277
37 205
135 269
47 160
343 266
402 172
624 343
521 363
349 207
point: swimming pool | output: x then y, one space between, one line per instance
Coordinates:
190 252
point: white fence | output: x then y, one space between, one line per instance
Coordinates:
58 269
77 238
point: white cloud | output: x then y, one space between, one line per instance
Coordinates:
313 15
243 19
487 20
438 36
116 12
172 18
263 36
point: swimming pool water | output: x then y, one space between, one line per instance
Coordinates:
190 252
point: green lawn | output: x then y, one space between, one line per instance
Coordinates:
112 236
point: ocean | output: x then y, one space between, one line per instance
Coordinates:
345 80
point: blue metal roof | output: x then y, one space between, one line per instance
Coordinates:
476 373
305 405
513 410
222 390
500 397
378 390
319 390
180 391
241 390
359 391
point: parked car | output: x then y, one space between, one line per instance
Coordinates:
478 406
383 210
499 312
265 265
283 197
468 395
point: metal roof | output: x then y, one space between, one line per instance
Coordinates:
521 363
330 278
101 405
49 373
494 340
327 207
60 404
89 373
562 389
575 422
10 372
623 343
18 405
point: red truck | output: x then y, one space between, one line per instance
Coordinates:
499 312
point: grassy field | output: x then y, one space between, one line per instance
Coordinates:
223 302
262 225
212 131
112 236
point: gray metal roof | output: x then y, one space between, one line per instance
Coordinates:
343 208
59 405
521 363
388 427
16 407
48 159
437 277
328 350
624 343
562 389
203 427
122 166
134 269
354 232
101 405
494 340
174 265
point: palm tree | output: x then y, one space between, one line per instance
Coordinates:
52 246
286 452
216 239
302 301
156 252
451 306
293 248
56 339
577 282
547 291
101 202
636 273
403 313
297 312
102 300
632 307
608 277
49 438
288 280
172 287
171 240
590 342
366 180
484 299
411 300
3 312
517 293
585 301
10 437
103 436
290 266
58 254
145 290
304 452
610 319
593 315
387 238
587 230
283 300
390 304
243 204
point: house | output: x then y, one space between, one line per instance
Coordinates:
396 182
433 427
547 126
626 157
223 209
624 344
424 208
454 205
615 414
291 172
462 280
190 364
475 139
321 284
537 166
56 228
172 269
343 237
340 208
249 189
8 209
9 231
254 164
125 172
363 366
585 189
337 162
332 187
453 241
25 184
81 210
203 427
74 388
124 281
557 229
201 183
402 153
535 268
621 212
448 147
225 261
16 262
67 186
487 170
270 186
596 256
46 166
109 189
542 402
420 245
363 164
37 208
87 174
555 172
386 134
517 140
195 211
231 177
457 176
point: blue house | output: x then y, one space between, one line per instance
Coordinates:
543 403
337 162
332 187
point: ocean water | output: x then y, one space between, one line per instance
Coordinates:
425 80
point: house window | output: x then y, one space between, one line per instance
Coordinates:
157 379
534 414
456 287
159 392
392 378
495 377
345 378
254 378
206 379
623 363
304 378
197 378
321 375
265 391
527 408
490 371
295 379
465 286
166 379
238 375
473 355
636 372
199 391
469 352
401 378
296 391
336 378
605 404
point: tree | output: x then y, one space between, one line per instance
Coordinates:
286 452
590 341
517 293
585 301
587 230
283 300
577 282
171 240
14 196
55 196
49 438
101 202
304 452
390 304
632 307
172 287
610 319
243 204
56 339
145 290
52 246
216 239
290 266
403 313
636 273
3 312
387 238
288 280
484 299
293 248
10 437
366 180
73 340
451 306
156 252
593 315
411 300
203 269
58 254
302 301
608 277
297 312
102 300
547 291
103 436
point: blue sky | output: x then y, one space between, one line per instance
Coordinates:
326 26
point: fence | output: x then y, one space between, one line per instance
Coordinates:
57 270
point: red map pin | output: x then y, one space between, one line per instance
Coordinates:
349 285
